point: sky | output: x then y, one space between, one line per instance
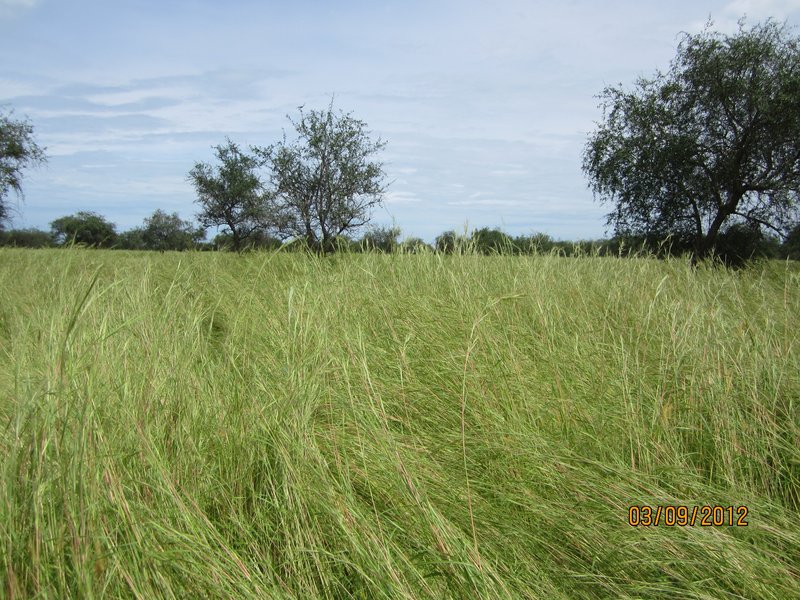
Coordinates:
486 107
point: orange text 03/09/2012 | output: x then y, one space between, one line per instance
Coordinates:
687 516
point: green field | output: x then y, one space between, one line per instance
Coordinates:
208 425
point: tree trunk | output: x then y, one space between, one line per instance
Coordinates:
710 239
725 211
237 242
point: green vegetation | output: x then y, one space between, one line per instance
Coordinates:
162 232
317 188
213 425
326 182
85 228
736 246
712 143
26 238
230 194
18 151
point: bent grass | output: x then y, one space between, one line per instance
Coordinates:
417 426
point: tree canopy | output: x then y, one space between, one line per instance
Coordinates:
164 231
326 181
18 150
231 195
84 228
713 141
491 241
383 239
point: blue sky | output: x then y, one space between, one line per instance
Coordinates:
485 106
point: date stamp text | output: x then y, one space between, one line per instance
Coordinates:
687 516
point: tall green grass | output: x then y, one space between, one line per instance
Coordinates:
418 426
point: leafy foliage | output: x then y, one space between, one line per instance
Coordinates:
446 242
163 231
132 239
259 240
741 242
791 245
715 138
384 239
26 238
84 227
231 195
325 182
415 245
538 243
491 241
18 150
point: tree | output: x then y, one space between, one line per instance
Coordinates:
259 240
491 241
383 239
84 227
169 232
446 242
26 238
741 242
415 245
18 150
132 239
325 182
715 138
231 195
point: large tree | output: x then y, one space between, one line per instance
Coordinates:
164 231
18 150
714 141
84 227
231 195
326 181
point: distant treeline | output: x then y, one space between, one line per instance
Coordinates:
168 232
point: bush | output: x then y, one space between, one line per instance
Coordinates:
742 242
133 239
791 245
415 245
26 238
492 241
258 240
537 243
163 231
383 239
86 228
446 242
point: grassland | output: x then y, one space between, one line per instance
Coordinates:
270 425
